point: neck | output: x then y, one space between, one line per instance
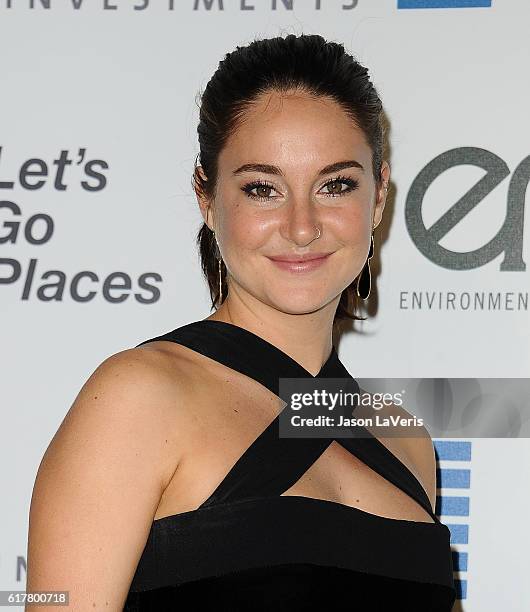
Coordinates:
307 338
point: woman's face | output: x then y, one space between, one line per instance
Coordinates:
295 164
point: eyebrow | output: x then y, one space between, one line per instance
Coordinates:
270 169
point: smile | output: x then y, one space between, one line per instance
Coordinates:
299 266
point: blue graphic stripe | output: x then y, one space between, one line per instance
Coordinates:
461 588
454 505
426 4
459 533
453 478
448 450
459 561
448 505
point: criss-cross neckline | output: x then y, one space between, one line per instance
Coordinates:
272 347
275 363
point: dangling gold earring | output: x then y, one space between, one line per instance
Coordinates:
364 280
220 283
219 261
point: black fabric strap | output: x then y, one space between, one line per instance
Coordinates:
272 464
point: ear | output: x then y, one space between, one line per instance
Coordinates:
205 203
381 193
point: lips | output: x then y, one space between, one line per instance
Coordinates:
299 258
298 263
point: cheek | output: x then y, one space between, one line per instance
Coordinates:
351 226
247 228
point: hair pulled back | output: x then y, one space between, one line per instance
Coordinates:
305 62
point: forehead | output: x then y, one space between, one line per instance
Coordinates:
295 129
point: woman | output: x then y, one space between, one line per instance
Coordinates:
168 485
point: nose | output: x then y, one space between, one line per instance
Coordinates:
301 224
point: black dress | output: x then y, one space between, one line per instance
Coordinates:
249 548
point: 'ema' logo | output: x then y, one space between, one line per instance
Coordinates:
426 4
509 238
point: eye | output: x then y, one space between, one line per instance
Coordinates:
262 190
337 183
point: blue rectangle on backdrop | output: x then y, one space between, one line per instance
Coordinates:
459 561
414 4
448 505
453 479
459 533
449 450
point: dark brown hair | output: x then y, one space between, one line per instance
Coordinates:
306 62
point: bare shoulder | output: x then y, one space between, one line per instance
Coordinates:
137 388
101 478
412 444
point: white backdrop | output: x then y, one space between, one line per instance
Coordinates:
114 90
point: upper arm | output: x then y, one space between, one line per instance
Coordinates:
100 481
412 445
422 452
419 450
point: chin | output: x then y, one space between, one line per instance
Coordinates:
299 302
